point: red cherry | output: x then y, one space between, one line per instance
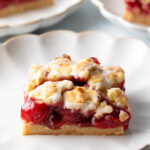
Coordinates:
54 121
130 4
34 111
95 60
122 86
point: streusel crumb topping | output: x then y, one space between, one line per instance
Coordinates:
81 98
117 97
102 109
123 116
51 92
81 85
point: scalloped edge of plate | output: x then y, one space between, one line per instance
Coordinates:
113 18
73 32
143 145
62 14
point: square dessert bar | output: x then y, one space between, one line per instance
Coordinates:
138 11
75 97
10 7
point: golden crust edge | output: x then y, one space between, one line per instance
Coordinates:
16 9
136 17
35 129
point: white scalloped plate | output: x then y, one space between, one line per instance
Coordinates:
32 20
113 10
17 54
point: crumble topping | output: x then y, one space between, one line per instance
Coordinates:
34 69
105 78
36 78
116 75
102 109
60 69
123 116
51 92
97 80
81 98
55 81
117 97
83 68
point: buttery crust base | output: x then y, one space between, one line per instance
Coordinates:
16 9
34 129
136 16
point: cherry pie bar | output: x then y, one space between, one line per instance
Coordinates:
10 7
138 11
75 97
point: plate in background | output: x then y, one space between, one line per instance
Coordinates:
17 54
113 10
31 20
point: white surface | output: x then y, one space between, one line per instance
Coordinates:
32 20
114 11
18 54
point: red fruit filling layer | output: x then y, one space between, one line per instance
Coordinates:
55 116
5 3
145 8
95 60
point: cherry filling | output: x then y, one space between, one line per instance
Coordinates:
55 116
145 8
5 3
112 120
121 85
95 60
79 81
34 111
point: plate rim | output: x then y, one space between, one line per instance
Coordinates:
65 11
73 32
112 17
78 34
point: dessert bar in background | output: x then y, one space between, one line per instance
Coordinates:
10 7
138 11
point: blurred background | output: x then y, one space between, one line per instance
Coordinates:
87 17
